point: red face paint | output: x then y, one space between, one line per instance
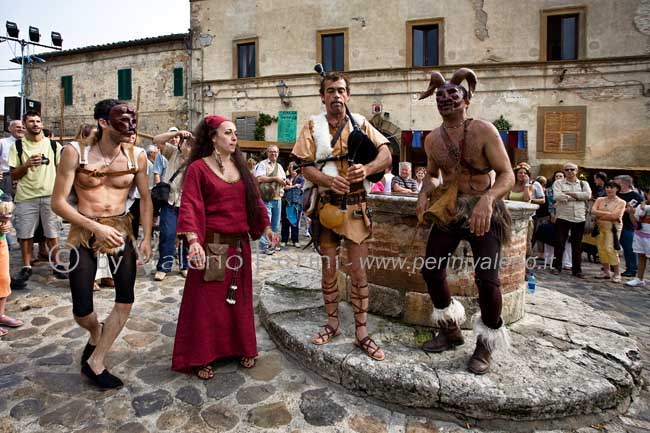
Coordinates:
449 98
122 118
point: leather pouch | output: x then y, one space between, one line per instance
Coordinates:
215 264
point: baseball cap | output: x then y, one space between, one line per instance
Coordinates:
173 129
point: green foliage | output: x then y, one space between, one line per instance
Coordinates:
502 124
263 121
422 335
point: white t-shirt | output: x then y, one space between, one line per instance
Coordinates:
264 168
5 145
640 213
388 180
538 190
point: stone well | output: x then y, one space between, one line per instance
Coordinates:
396 252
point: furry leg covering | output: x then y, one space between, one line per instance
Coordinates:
494 339
453 314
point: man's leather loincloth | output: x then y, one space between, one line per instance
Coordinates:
81 236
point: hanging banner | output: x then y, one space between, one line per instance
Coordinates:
287 126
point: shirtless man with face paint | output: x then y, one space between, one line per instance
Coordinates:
103 173
468 153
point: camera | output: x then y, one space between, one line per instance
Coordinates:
44 160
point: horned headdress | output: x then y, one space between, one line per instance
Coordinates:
463 74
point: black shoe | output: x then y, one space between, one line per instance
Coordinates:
25 273
628 274
556 272
18 284
579 275
88 350
60 272
103 380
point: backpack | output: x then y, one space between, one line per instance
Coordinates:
19 150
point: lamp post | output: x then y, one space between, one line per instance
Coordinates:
34 38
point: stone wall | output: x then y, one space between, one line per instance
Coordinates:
95 78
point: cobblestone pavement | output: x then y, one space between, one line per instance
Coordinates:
41 388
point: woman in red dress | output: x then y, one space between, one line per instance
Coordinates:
220 205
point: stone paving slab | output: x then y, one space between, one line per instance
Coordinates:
54 398
567 360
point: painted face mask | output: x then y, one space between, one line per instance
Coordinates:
449 98
450 94
122 118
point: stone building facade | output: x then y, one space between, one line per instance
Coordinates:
572 75
158 66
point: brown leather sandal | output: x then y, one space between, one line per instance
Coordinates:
366 344
204 373
247 362
327 332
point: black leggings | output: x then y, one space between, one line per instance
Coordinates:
83 263
485 248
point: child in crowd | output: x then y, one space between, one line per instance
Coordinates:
641 242
6 207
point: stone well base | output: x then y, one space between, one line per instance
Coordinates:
569 365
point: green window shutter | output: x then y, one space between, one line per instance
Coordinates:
178 81
124 84
66 84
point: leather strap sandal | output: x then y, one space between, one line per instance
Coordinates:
247 362
327 332
204 373
366 344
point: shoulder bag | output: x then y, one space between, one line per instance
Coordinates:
267 189
160 192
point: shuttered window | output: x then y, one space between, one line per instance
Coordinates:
245 127
66 85
563 129
124 92
178 81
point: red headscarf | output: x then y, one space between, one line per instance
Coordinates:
214 121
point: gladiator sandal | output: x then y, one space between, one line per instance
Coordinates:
366 344
330 297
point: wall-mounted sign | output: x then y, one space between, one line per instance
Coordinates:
287 125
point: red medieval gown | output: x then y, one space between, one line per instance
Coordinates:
209 328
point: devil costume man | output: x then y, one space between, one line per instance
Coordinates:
476 173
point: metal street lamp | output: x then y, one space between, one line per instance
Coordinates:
283 93
34 39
